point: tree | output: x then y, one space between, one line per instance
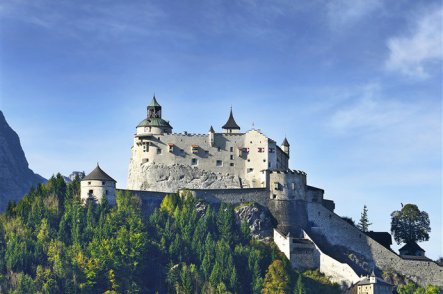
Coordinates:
276 279
363 224
299 287
410 224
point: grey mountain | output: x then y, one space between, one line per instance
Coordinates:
15 176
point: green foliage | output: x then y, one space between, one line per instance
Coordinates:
50 242
411 288
363 224
276 279
410 224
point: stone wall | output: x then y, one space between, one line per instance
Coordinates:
149 200
339 232
337 272
233 196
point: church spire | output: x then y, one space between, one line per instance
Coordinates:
154 109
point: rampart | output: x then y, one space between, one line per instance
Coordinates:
339 232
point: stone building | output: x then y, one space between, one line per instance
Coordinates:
373 285
97 185
243 155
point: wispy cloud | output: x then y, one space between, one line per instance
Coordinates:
414 54
346 12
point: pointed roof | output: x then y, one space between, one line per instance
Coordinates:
231 124
99 175
211 130
285 142
411 247
154 102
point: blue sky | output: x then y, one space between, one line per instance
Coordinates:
356 86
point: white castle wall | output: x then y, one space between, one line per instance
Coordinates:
339 232
231 154
337 272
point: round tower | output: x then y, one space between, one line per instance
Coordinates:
97 185
154 123
285 146
211 135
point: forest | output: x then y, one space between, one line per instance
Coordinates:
52 243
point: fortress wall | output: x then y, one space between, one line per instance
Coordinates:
287 185
291 216
339 232
150 200
336 271
233 196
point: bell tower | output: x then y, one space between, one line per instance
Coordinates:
154 109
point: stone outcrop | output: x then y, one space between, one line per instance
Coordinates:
15 176
163 178
258 218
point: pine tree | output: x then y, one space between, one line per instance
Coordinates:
364 223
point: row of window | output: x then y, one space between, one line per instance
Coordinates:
195 149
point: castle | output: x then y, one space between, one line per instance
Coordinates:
235 167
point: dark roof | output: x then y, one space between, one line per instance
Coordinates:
154 102
231 124
411 247
154 122
285 142
414 257
384 238
98 174
211 130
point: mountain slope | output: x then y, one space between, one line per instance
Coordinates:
15 176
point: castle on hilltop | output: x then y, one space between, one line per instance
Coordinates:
236 167
244 155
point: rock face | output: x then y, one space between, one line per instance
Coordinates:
163 178
15 176
258 218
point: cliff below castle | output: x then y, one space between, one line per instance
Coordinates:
163 178
15 176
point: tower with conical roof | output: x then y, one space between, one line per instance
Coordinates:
231 126
285 146
154 123
97 185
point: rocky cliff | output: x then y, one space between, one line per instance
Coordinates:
15 176
158 177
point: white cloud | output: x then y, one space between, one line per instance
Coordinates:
414 54
346 12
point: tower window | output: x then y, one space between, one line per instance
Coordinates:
103 183
232 157
250 170
91 192
171 147
159 151
231 149
194 161
219 163
107 192
195 149
261 149
231 164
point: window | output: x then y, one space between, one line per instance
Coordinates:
231 164
159 151
261 149
103 183
219 163
218 149
250 170
195 149
293 186
89 183
231 149
264 160
232 157
145 147
276 186
171 147
107 192
91 192
249 160
271 150
194 161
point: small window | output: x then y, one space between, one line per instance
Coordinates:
261 149
91 192
231 164
274 196
218 149
276 186
107 192
195 149
159 151
103 183
219 163
232 157
293 186
231 149
264 160
194 161
89 183
249 160
250 170
171 148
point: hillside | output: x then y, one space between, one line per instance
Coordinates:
15 176
50 243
